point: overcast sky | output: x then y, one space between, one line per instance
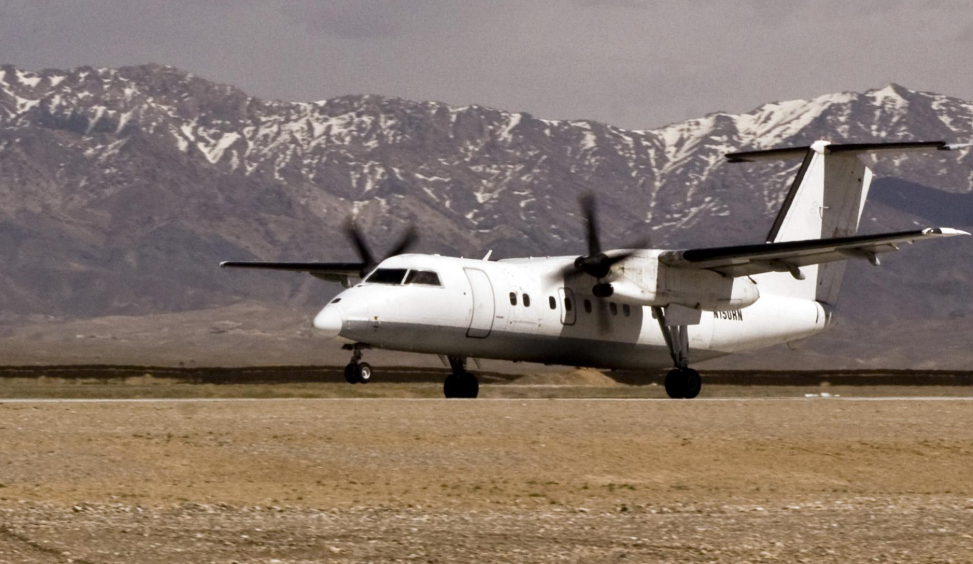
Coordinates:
631 63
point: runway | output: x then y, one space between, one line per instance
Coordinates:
482 400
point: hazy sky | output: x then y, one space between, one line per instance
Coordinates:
632 63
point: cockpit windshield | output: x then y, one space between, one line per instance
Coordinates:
423 277
392 276
397 277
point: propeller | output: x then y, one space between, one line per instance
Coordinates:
597 263
407 240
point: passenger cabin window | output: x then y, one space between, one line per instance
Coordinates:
613 307
526 300
626 310
587 306
552 301
423 278
567 304
387 276
513 298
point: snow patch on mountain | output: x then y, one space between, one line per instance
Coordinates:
889 98
504 135
213 150
780 120
28 79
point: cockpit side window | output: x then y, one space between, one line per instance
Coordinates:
423 277
392 276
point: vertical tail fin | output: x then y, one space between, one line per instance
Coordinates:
825 201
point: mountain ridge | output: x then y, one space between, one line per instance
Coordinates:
120 189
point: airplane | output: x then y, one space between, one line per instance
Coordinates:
640 308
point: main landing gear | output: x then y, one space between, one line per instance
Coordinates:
682 382
357 372
460 384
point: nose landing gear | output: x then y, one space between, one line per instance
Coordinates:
357 372
460 384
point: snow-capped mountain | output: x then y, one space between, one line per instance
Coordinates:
120 189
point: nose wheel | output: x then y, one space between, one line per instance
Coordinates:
460 384
357 372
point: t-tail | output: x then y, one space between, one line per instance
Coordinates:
824 202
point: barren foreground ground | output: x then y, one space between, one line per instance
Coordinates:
383 480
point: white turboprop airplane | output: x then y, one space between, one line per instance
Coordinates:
631 309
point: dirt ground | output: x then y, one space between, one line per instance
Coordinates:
428 480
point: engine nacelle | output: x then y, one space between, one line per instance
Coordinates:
701 289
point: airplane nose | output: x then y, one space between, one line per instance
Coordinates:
329 321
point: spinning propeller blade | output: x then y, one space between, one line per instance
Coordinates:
589 209
407 241
596 263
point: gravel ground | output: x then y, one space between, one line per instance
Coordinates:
491 481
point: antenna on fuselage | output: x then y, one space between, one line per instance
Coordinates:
487 257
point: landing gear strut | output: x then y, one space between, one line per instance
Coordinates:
460 384
357 372
682 382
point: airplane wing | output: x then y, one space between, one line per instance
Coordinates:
789 256
334 271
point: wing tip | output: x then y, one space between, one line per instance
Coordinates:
944 231
955 146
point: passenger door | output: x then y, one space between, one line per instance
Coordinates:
481 323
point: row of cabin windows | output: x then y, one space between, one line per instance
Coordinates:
399 276
612 307
513 299
568 305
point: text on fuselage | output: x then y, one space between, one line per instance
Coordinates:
735 315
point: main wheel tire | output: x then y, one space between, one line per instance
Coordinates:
470 385
364 373
692 384
452 386
673 382
351 373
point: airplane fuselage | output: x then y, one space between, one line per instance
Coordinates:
527 310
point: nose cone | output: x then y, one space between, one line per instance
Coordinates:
329 321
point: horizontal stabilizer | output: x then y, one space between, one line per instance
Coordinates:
789 256
830 148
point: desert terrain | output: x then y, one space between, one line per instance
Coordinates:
792 479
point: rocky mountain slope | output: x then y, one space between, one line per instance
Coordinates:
120 189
